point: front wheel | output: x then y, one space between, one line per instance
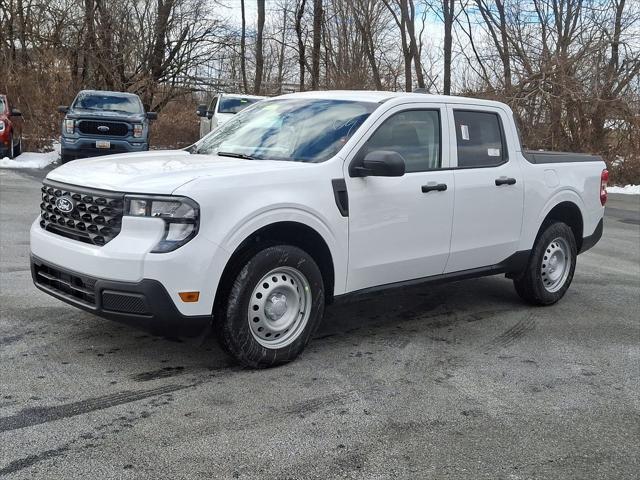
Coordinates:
272 308
551 266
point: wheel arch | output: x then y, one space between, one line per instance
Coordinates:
287 232
566 211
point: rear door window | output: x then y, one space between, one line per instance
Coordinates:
479 138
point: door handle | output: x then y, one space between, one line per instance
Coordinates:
438 187
505 181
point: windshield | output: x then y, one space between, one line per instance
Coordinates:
234 105
96 101
1 105
300 130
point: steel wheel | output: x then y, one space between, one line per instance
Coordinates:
280 307
555 265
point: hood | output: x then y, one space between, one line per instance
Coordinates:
224 117
104 115
157 172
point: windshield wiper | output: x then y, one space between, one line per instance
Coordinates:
235 155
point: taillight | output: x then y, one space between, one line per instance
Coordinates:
604 178
137 130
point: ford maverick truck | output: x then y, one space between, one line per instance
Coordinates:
306 198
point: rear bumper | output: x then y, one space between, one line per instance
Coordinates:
591 240
145 304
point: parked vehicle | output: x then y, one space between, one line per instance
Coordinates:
102 123
305 199
10 129
221 109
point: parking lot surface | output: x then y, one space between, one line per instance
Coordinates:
459 380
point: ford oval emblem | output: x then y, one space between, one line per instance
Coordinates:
103 128
65 204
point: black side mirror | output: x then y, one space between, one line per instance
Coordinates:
63 109
201 110
380 163
151 115
15 112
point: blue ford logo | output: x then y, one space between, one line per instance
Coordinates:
103 128
65 204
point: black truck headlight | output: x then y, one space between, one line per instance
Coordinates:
181 217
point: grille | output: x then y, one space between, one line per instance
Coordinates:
96 216
115 129
79 288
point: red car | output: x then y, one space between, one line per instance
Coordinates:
10 129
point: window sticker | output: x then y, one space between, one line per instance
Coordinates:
464 130
493 152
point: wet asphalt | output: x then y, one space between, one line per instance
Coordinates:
459 380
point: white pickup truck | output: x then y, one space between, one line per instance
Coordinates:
306 198
221 109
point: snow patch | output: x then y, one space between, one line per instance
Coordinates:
32 159
627 190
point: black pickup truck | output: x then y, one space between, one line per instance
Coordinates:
102 122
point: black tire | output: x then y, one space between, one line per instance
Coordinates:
231 316
64 158
530 285
18 150
12 151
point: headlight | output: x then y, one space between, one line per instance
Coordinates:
69 125
137 130
181 217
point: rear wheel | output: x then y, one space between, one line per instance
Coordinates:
18 149
272 308
551 266
12 152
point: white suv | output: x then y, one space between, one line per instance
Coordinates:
307 197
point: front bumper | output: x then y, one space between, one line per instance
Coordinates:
145 304
84 147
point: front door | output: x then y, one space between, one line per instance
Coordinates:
400 227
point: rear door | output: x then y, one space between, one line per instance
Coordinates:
489 188
400 227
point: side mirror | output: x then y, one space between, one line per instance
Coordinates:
151 115
380 163
63 109
210 114
15 112
201 110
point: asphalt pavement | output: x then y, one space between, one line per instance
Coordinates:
459 380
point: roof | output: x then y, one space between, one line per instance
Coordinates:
240 95
108 93
381 96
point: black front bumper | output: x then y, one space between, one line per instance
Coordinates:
145 304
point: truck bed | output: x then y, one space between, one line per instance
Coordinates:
544 156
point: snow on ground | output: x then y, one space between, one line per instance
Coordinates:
627 189
32 159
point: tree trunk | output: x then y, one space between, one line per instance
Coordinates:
243 47
317 36
448 14
259 53
301 46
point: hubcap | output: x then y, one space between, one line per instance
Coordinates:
280 307
556 264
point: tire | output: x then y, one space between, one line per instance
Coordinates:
18 150
271 309
551 266
65 158
12 151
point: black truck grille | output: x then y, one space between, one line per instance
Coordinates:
95 217
112 129
79 288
